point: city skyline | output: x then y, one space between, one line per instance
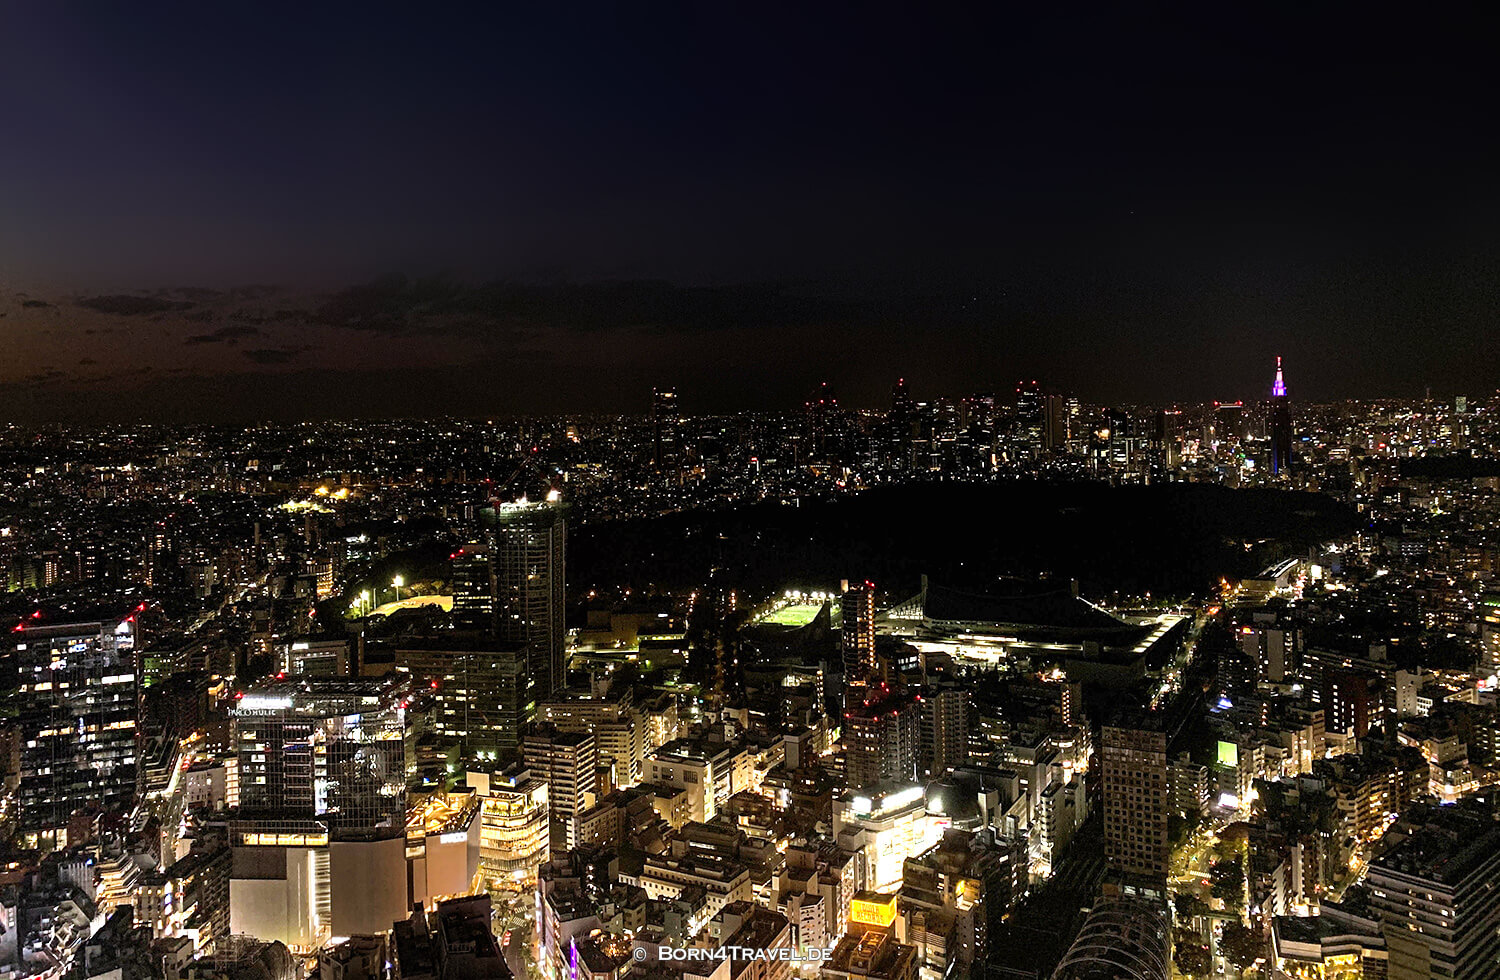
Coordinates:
261 384
716 492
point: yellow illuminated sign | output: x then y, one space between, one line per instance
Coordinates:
873 913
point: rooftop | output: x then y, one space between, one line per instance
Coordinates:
1448 845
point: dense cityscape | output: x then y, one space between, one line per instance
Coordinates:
360 700
721 491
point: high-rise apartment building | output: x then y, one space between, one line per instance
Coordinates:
610 715
1351 701
1436 897
944 737
880 737
1133 787
858 610
569 763
77 707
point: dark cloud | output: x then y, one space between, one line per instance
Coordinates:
46 378
124 305
112 377
271 356
196 293
224 335
35 304
397 306
250 315
254 291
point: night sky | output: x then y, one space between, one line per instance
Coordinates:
235 211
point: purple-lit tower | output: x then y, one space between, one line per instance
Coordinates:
1281 426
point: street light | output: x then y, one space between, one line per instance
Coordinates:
364 599
396 583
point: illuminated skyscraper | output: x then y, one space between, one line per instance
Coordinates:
324 749
1030 414
569 763
1134 784
858 609
528 552
1281 426
823 437
77 711
900 427
666 448
1229 421
508 584
1054 422
881 731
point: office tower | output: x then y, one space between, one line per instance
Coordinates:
473 590
880 737
666 425
78 713
1029 412
1169 437
529 564
319 844
1169 425
326 750
1458 423
1436 898
944 738
899 428
858 610
1281 426
1134 792
480 689
1122 939
508 585
568 761
1229 421
823 436
1054 422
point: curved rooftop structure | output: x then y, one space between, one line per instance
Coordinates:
1122 939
